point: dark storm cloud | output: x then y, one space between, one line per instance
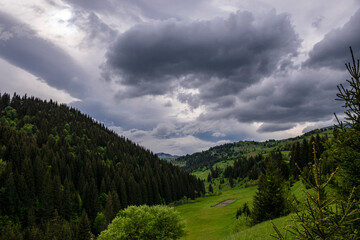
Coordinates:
20 46
333 50
305 96
219 57
271 127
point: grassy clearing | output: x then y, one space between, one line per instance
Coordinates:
206 222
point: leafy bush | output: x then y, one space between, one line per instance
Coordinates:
144 222
242 222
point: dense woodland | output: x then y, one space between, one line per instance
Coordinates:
239 151
63 174
300 156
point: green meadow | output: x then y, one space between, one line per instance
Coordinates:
205 221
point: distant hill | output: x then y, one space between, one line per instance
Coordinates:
233 151
166 156
61 171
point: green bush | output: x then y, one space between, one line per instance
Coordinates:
144 222
242 222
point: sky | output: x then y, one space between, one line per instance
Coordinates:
183 76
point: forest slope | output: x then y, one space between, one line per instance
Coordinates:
57 164
232 151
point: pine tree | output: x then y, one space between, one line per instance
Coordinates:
344 149
270 198
99 224
320 217
351 97
84 228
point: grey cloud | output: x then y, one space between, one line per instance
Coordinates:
106 6
317 21
123 10
137 113
223 102
97 32
305 96
333 50
144 88
271 127
5 35
23 48
220 57
190 99
154 9
163 130
168 104
159 9
320 125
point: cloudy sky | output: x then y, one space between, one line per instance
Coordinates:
182 76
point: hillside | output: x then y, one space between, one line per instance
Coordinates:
228 153
62 172
204 220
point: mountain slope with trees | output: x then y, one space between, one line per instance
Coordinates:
63 174
231 152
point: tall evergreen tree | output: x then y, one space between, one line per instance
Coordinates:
84 228
344 148
270 198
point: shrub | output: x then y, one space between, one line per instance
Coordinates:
242 222
144 222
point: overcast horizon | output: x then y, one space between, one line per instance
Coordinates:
183 76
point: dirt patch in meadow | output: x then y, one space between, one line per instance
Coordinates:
224 203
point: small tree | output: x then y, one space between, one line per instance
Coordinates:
144 222
244 210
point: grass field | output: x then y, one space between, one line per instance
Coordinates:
206 222
261 230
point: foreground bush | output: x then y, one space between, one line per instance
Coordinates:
144 222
